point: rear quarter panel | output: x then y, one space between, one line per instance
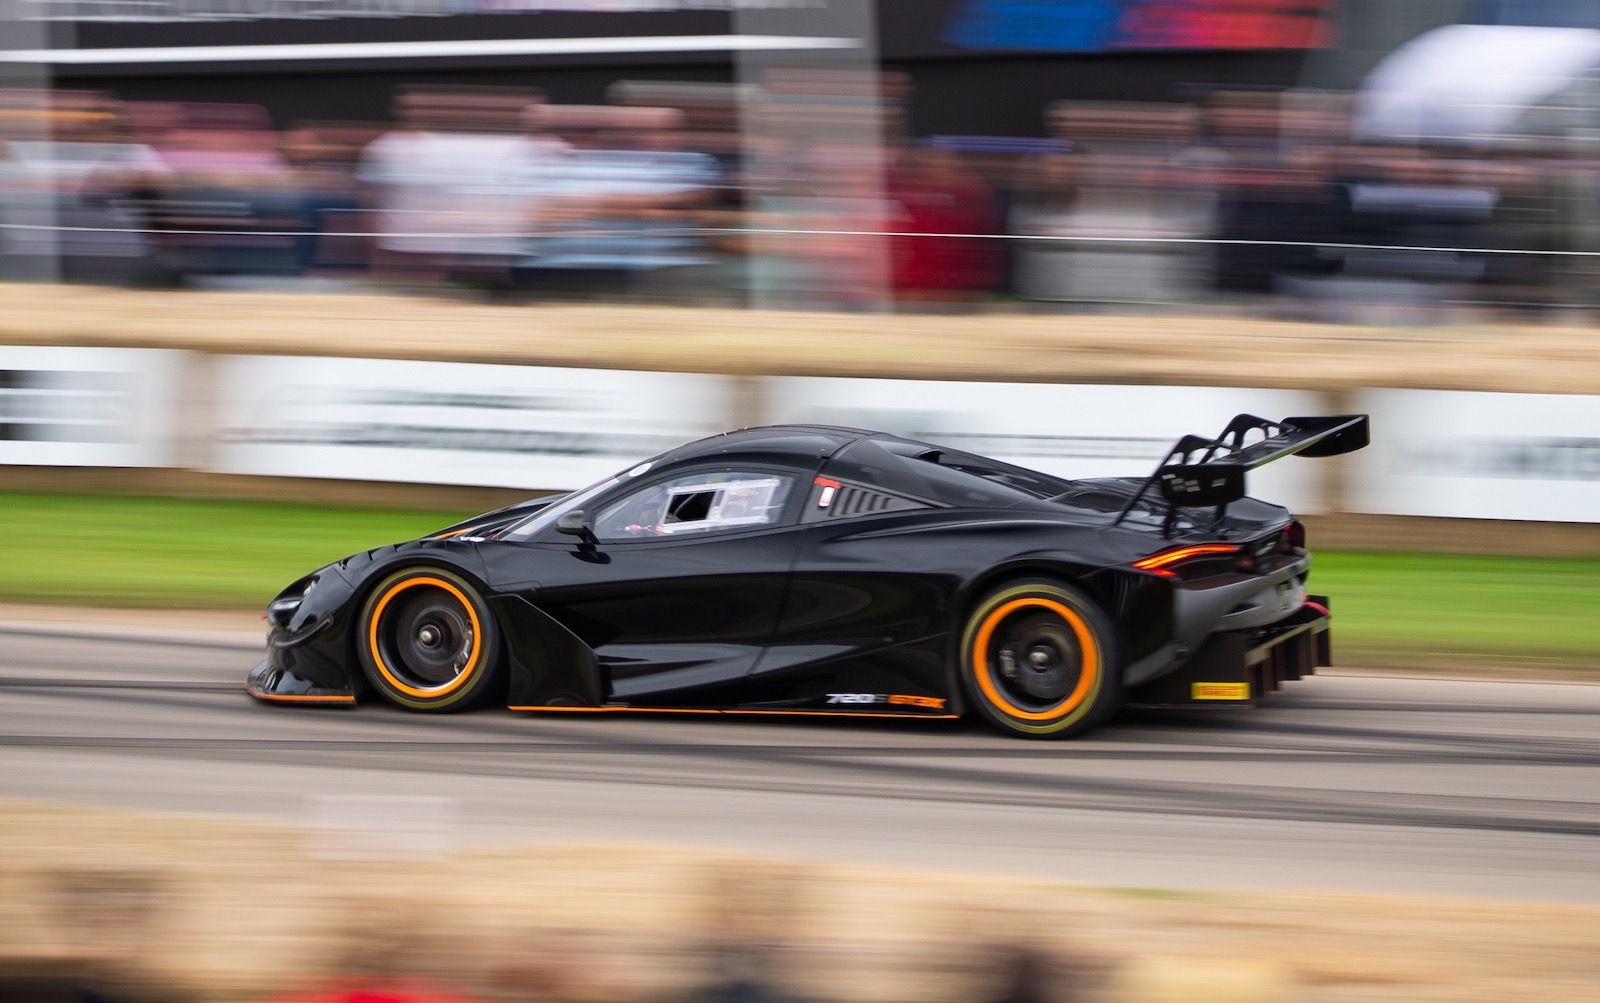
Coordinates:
876 603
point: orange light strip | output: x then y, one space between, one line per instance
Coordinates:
1158 562
613 710
683 710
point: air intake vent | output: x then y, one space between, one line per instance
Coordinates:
854 500
831 499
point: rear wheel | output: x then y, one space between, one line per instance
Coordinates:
1039 660
428 642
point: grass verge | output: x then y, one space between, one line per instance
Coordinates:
1391 607
158 552
149 552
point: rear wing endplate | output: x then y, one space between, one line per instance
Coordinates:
1201 472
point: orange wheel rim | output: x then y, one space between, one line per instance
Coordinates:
1088 670
389 675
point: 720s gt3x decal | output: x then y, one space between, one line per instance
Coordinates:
892 699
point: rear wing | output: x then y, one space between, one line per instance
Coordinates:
1198 471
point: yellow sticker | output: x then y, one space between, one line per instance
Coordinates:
1219 691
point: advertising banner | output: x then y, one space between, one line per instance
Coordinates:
1066 430
454 423
1107 25
907 28
1531 457
88 407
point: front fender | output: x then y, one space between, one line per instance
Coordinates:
316 642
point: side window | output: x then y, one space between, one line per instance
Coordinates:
696 503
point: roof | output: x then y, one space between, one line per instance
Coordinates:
797 443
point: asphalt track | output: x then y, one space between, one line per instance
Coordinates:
1340 782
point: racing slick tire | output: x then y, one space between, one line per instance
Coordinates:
1038 658
427 641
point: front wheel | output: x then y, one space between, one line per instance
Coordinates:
427 641
1039 659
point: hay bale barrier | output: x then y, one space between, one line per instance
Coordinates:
138 907
1207 349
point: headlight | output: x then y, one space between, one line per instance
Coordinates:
282 608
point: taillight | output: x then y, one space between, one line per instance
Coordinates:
1293 538
1167 562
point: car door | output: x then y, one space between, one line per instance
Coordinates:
679 587
890 535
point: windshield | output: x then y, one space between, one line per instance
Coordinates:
547 516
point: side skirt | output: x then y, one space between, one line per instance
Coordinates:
623 709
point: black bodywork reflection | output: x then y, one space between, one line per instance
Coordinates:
851 609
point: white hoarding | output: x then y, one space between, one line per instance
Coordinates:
1070 430
1533 457
88 407
454 423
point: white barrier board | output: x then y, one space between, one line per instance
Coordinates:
88 407
1070 430
1531 457
454 423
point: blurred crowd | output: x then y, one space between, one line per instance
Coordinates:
715 973
727 933
706 193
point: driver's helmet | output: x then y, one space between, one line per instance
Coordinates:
743 499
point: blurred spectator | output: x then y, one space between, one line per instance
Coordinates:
376 990
1134 180
1400 214
1027 977
818 207
812 244
1004 165
1046 194
945 215
1534 209
324 157
230 200
78 186
456 183
623 208
1239 143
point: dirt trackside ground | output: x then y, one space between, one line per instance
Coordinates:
221 910
1215 349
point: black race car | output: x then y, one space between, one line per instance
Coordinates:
806 569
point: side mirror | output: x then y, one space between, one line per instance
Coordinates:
575 523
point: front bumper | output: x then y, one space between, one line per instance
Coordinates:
1234 667
277 685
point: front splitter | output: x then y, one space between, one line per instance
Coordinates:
282 686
